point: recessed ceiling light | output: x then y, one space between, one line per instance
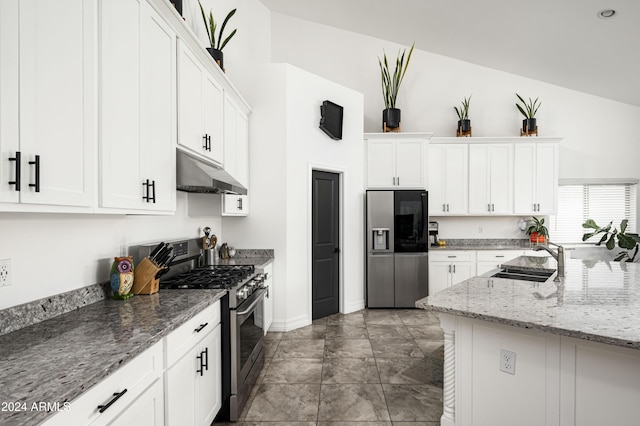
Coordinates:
606 13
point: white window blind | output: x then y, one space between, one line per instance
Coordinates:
602 203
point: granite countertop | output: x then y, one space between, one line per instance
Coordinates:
258 262
483 244
596 300
58 359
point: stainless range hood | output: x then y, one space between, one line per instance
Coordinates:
196 175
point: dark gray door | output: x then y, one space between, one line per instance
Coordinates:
325 240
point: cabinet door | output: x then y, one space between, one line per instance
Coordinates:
456 179
479 180
242 148
381 170
462 271
546 178
486 266
501 178
58 100
524 179
146 410
268 304
409 164
235 205
213 118
435 177
158 109
230 134
190 126
439 276
9 99
120 177
209 384
181 390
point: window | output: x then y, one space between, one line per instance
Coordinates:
602 202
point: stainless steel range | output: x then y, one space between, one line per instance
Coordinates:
241 316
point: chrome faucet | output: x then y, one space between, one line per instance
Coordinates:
558 256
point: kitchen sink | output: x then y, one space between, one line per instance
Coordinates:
523 274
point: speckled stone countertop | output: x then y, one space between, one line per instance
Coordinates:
258 262
58 359
597 301
483 244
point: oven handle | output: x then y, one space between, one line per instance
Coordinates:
253 304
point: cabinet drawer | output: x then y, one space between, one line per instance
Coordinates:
134 377
184 337
498 255
453 256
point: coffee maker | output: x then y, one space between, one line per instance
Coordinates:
433 233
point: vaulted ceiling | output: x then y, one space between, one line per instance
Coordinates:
562 42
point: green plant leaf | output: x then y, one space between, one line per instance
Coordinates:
226 40
521 110
623 225
604 237
585 237
590 223
611 243
626 242
213 25
204 19
620 256
224 24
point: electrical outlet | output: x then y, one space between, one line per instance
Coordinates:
507 361
5 272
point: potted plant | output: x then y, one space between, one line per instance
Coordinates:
538 233
464 124
528 110
210 25
390 86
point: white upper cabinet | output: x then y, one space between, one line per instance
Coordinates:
200 108
138 108
236 139
448 179
535 178
396 160
48 102
491 179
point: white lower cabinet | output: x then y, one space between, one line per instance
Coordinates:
193 375
235 205
491 259
450 268
268 298
135 391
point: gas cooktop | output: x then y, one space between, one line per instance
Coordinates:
210 277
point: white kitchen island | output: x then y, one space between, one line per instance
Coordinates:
576 345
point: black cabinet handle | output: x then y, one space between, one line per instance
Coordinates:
204 138
239 203
206 358
150 187
200 358
17 159
37 164
116 396
208 142
199 329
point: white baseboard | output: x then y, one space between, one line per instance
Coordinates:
353 306
291 324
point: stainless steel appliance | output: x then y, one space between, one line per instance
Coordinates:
397 248
241 316
433 233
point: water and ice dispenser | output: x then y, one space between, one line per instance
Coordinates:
380 239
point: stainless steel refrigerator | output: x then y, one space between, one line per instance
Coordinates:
397 248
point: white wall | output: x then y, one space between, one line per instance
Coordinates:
252 42
594 129
55 253
285 144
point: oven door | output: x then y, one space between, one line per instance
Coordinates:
247 338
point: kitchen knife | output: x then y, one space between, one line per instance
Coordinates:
156 250
161 252
162 259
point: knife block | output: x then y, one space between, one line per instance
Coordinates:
144 278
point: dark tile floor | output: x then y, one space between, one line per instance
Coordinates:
373 367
